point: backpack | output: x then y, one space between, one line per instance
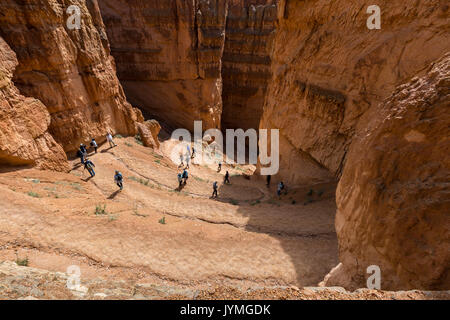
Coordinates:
119 177
185 174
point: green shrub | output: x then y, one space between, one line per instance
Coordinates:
22 262
163 220
99 210
138 139
33 194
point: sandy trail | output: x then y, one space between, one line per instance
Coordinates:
247 236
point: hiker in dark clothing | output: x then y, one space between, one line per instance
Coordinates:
280 188
94 145
89 165
180 179
193 153
268 180
219 168
119 180
83 148
214 194
185 176
80 154
227 178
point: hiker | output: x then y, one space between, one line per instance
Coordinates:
214 194
180 179
109 138
188 159
89 165
80 154
280 188
268 180
181 161
185 175
94 145
193 153
227 178
219 168
118 179
83 148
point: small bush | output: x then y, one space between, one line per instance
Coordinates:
36 181
22 262
138 139
163 220
33 194
99 210
118 136
128 144
234 202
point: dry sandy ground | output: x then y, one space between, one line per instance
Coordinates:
247 238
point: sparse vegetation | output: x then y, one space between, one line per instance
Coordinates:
33 194
162 220
234 202
310 192
128 144
144 182
36 181
158 161
22 262
255 203
138 139
99 210
198 179
118 136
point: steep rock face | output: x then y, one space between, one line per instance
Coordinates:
70 71
24 136
329 68
393 198
168 55
250 31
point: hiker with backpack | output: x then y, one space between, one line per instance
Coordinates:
118 179
89 165
94 145
227 178
83 148
80 154
180 179
185 176
280 188
214 194
109 138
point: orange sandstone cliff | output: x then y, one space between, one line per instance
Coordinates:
71 72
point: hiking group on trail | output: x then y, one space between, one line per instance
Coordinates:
182 176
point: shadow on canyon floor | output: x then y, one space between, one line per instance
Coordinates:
302 220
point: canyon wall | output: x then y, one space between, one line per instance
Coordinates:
250 31
181 61
24 122
393 199
168 55
71 72
329 68
337 97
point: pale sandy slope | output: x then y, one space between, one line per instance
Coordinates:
246 238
